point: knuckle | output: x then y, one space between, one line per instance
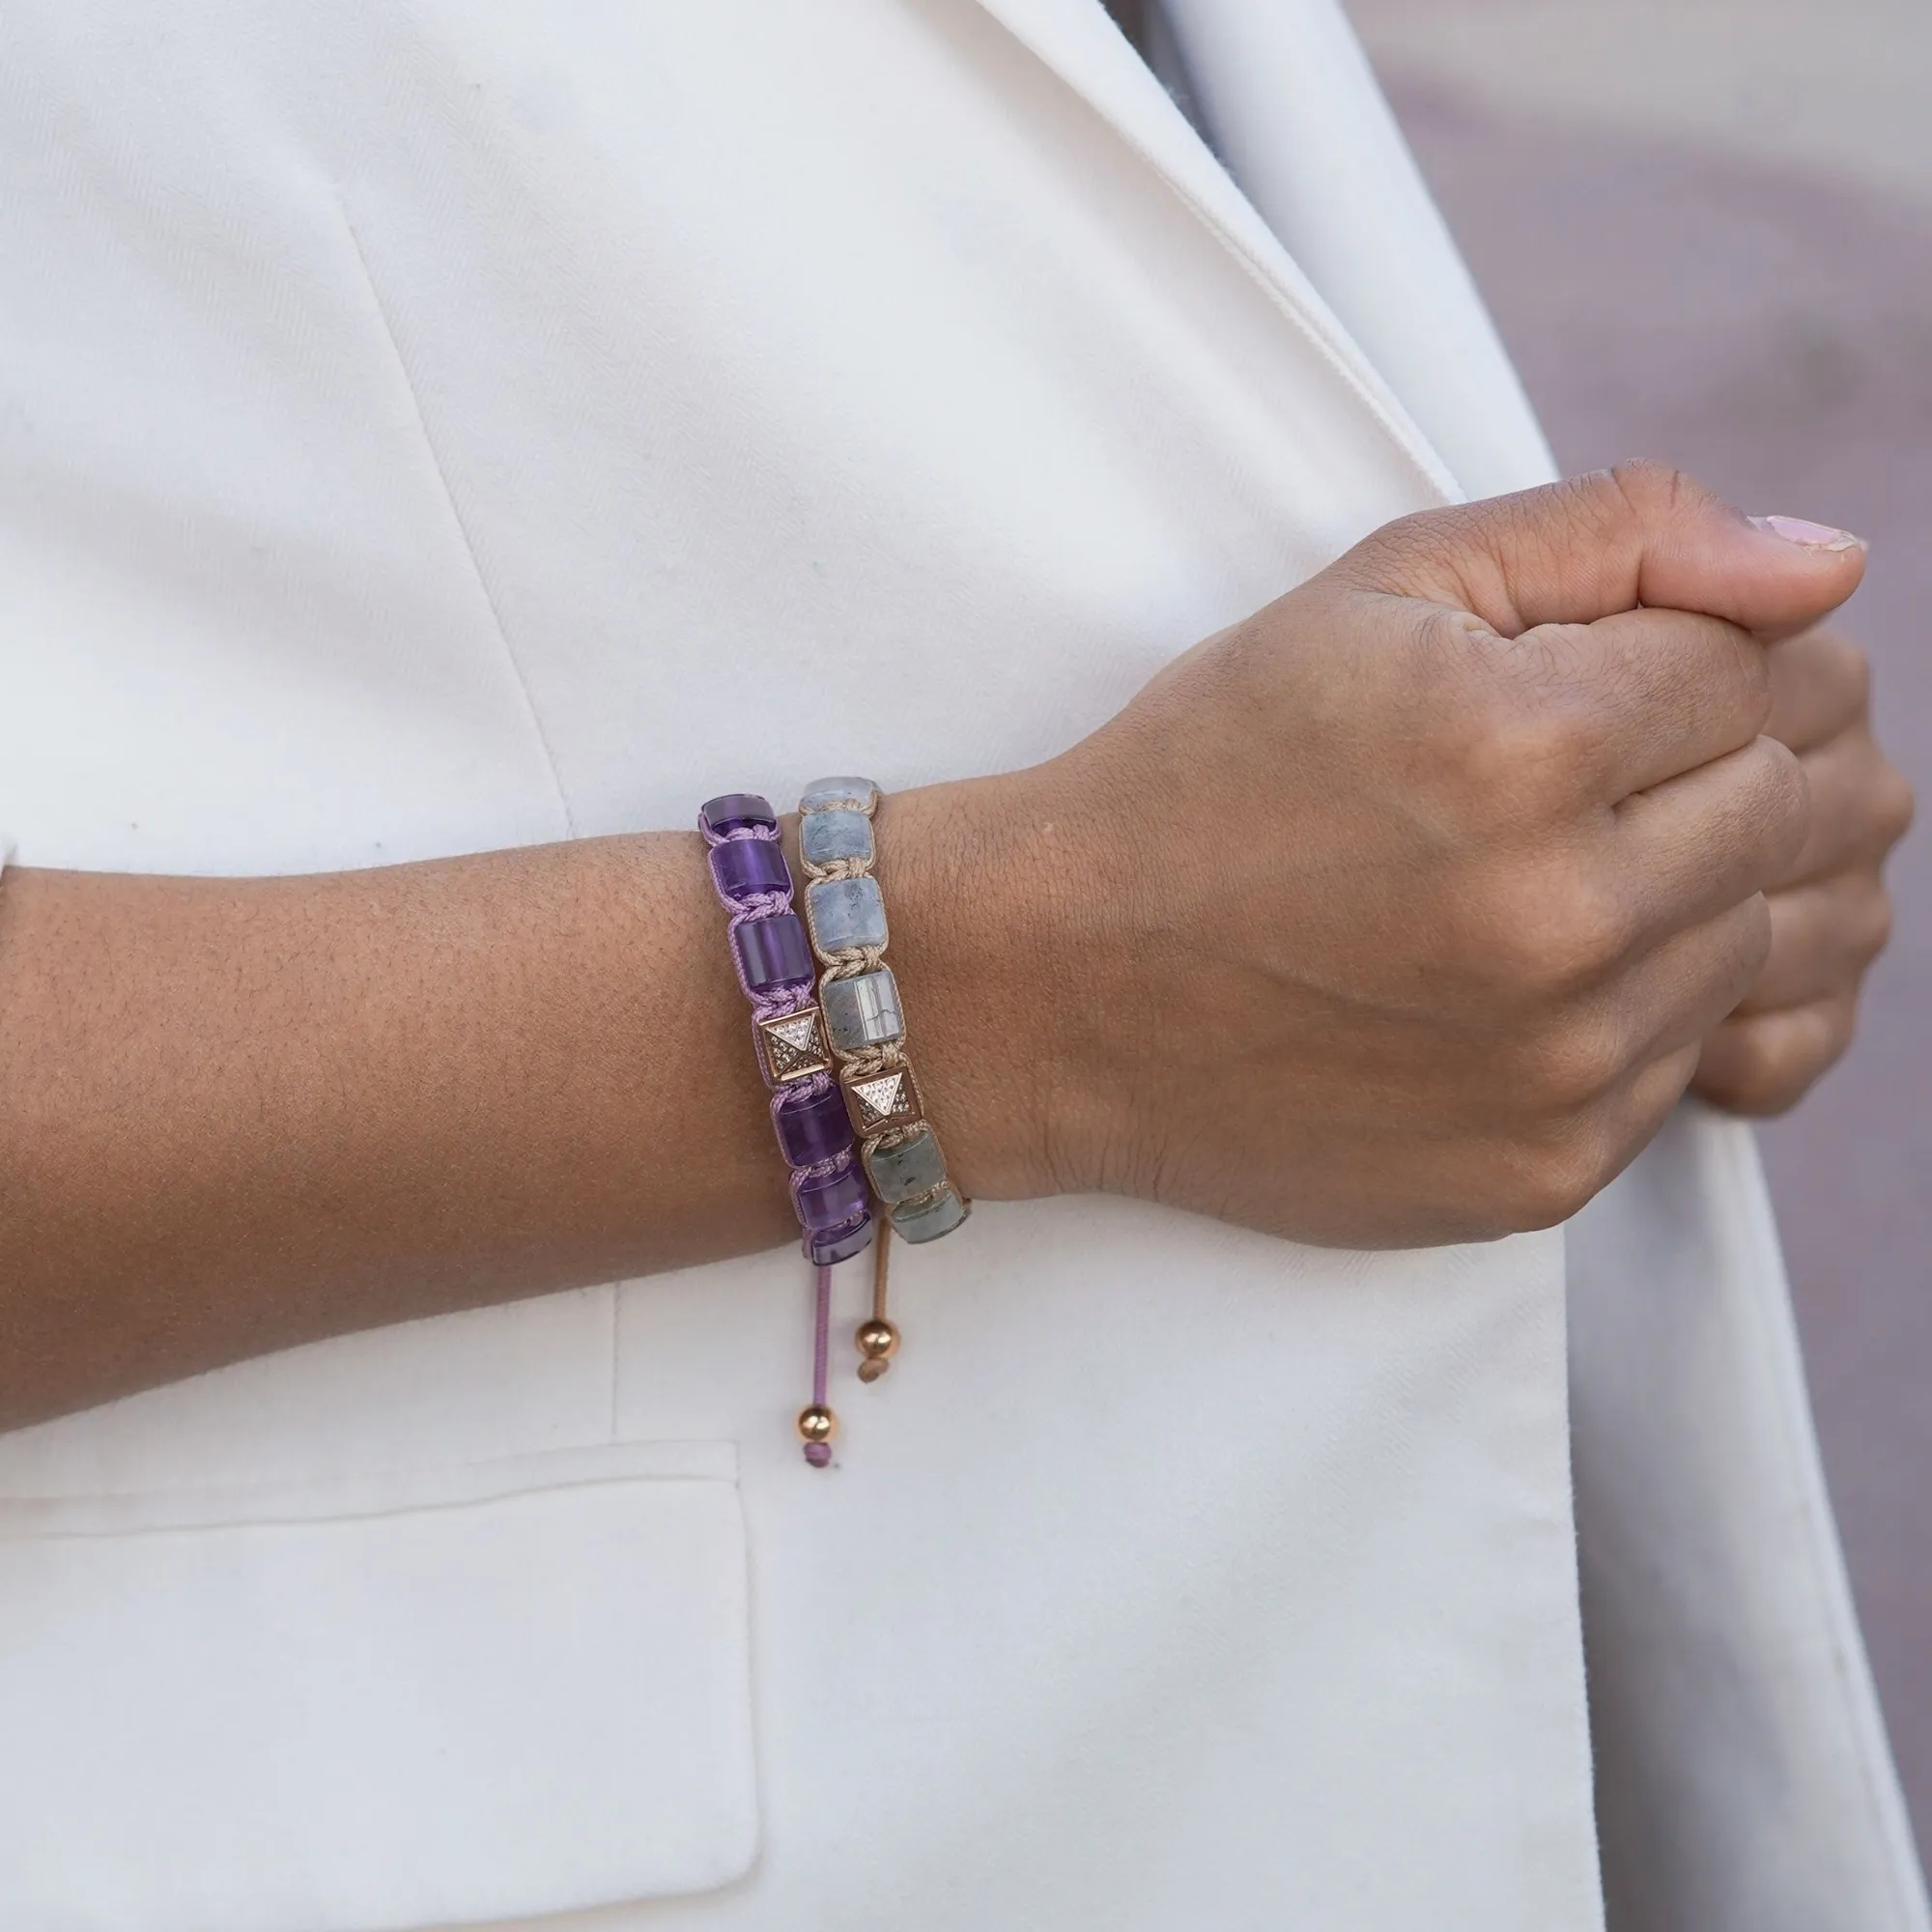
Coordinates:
1584 513
1557 1179
1555 936
1776 1058
1767 1092
1524 752
1751 683
1780 796
1569 1067
1397 552
1650 486
1731 1074
1894 803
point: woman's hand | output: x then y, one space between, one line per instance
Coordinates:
1830 914
1399 913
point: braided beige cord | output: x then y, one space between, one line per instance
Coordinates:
867 1063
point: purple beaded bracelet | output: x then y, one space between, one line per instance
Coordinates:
774 962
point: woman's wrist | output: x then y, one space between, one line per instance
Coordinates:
971 873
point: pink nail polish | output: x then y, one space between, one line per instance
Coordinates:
1812 536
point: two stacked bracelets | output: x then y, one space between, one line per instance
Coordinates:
845 1107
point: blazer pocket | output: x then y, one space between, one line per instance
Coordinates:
431 1699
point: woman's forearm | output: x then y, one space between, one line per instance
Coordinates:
1398 914
236 1115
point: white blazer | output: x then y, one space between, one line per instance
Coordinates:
439 424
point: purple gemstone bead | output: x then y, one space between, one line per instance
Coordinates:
774 952
828 1250
827 1202
814 1130
734 811
742 867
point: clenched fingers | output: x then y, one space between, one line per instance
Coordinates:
1695 846
1860 806
1820 685
1650 694
1764 1062
1823 937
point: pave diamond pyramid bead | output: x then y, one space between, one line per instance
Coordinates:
793 1047
878 1101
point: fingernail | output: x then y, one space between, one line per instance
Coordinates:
1813 537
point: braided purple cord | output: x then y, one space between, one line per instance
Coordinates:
772 1006
749 821
819 1454
753 906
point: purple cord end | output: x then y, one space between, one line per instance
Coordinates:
818 1455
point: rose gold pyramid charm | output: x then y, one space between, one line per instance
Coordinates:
793 1047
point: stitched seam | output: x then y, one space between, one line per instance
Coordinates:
374 1513
1293 311
457 520
1256 270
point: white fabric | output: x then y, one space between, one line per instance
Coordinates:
356 1684
1744 1779
1288 96
455 423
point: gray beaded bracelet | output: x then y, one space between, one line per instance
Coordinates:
866 1025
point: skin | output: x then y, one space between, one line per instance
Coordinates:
1400 912
1830 914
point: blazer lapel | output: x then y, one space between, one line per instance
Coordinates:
1078 41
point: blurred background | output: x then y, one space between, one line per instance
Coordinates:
1705 230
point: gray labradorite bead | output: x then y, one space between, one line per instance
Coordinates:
858 793
846 913
827 837
862 1011
939 1216
911 1168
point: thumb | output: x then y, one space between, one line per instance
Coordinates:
1616 539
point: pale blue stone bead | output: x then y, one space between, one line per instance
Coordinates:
837 833
862 1011
846 913
913 1167
926 1223
859 794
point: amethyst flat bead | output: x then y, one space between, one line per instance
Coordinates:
742 868
814 1130
827 1202
827 1250
735 810
774 952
